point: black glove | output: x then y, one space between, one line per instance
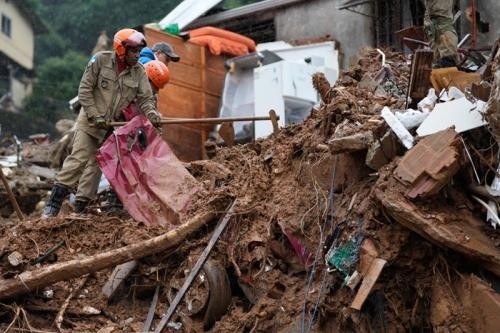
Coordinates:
100 122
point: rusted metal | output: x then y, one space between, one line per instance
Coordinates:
11 196
411 37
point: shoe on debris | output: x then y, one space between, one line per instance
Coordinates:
81 206
445 63
59 193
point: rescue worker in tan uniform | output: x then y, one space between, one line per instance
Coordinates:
111 81
438 26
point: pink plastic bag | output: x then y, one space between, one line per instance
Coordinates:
147 177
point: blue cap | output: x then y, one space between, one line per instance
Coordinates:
146 55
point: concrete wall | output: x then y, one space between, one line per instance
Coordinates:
20 45
490 12
318 18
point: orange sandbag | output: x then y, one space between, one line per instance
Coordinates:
218 45
211 31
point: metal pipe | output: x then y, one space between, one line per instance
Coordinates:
383 57
11 196
462 42
200 120
416 41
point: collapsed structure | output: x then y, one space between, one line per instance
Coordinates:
346 222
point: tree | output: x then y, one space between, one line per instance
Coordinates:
57 83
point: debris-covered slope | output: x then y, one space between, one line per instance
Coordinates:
310 216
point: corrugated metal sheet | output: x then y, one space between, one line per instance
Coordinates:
187 11
241 11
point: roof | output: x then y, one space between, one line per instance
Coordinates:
241 11
38 26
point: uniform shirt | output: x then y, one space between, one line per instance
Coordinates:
103 92
439 8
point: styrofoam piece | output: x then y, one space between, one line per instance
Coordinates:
412 118
443 96
8 161
186 12
492 214
429 101
455 93
460 113
398 128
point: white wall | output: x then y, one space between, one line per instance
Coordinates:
317 18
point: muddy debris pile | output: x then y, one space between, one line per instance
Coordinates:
372 215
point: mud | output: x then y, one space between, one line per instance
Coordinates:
296 200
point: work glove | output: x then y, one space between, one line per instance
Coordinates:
154 117
100 122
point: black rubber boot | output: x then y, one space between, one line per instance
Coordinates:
81 205
113 203
59 193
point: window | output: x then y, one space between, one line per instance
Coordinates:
6 25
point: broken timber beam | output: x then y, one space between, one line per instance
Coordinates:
31 280
458 232
11 196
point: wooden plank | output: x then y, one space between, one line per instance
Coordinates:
183 73
180 102
368 282
118 277
215 83
184 141
193 92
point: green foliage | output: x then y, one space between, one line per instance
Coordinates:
49 45
57 83
229 4
80 22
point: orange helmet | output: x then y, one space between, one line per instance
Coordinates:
126 38
157 73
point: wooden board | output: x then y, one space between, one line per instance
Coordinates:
194 91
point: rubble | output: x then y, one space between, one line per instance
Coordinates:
430 166
318 242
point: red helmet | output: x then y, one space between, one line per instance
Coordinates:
127 38
157 73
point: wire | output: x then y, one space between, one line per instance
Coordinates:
318 250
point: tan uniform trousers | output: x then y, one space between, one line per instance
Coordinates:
80 167
438 26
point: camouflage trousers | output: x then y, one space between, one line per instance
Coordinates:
80 167
442 36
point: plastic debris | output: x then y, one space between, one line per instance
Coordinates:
398 128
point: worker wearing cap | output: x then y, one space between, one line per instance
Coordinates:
160 51
438 26
111 81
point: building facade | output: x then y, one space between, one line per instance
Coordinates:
17 45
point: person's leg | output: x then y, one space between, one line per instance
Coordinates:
87 187
84 147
